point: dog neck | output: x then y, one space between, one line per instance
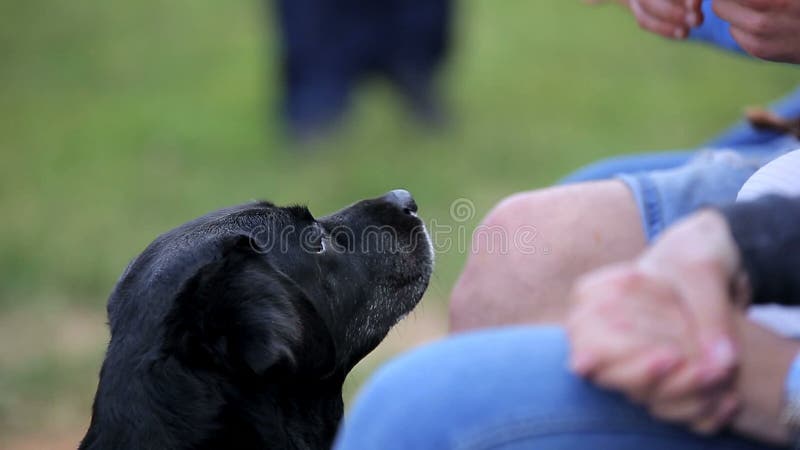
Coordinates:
274 412
289 413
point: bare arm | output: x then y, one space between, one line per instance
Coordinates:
765 362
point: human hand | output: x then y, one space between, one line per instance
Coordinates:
625 330
689 282
669 18
630 332
699 259
766 29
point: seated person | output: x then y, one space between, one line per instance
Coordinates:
608 211
665 335
663 330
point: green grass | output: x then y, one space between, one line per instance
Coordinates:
119 120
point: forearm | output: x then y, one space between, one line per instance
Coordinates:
761 381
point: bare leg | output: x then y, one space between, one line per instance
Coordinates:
577 228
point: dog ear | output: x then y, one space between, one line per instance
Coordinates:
235 313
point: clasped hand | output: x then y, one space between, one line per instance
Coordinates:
661 329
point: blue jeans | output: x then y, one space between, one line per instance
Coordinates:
741 136
504 389
509 388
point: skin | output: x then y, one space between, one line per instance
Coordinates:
766 358
721 369
765 29
669 331
497 289
573 235
668 18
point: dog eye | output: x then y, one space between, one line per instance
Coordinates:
318 242
323 246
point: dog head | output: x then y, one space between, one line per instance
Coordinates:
238 328
259 288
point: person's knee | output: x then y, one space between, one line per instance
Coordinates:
472 298
531 246
510 254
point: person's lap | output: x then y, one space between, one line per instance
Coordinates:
503 389
509 388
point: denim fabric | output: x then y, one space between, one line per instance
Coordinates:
744 136
711 178
611 167
669 185
714 30
504 389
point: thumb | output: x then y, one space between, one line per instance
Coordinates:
710 305
705 295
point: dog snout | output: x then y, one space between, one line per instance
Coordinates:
402 199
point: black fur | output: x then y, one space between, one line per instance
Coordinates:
236 331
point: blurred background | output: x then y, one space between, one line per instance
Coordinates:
120 120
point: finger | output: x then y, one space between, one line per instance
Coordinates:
591 299
598 347
755 5
666 11
619 313
708 300
744 17
723 412
691 410
685 411
705 292
770 49
685 382
688 381
682 387
694 5
594 346
638 375
694 12
650 23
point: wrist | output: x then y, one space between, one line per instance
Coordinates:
791 410
729 255
766 359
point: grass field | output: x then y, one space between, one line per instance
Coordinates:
119 120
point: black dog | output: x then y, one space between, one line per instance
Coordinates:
237 329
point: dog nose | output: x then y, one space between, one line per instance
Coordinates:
402 199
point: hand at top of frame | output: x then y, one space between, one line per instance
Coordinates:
766 29
669 18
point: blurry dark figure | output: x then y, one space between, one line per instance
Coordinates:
330 45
